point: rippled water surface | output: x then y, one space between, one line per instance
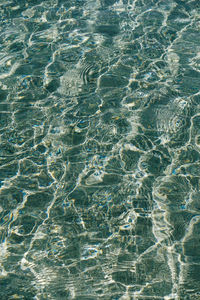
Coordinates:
100 149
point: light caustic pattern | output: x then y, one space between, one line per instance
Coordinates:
99 149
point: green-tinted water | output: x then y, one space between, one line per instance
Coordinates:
99 149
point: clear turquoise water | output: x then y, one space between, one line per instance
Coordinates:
99 149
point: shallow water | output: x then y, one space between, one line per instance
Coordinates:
99 149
